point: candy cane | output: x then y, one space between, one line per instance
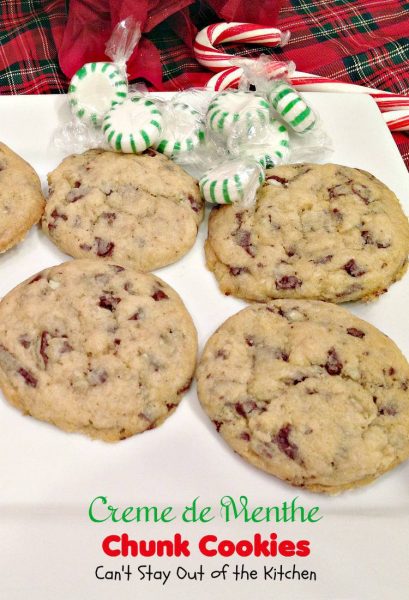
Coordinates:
391 102
216 60
385 100
228 78
397 120
394 107
391 105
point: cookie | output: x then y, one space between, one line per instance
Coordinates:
21 199
95 348
137 210
322 232
309 393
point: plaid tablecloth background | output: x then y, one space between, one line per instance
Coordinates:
359 41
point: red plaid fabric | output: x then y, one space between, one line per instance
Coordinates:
357 41
364 42
30 33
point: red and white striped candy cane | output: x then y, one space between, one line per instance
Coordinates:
313 83
229 78
394 107
216 60
397 120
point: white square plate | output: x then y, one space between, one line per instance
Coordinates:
48 546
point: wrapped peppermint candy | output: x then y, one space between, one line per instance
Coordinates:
99 86
227 109
291 107
183 129
232 182
94 89
133 126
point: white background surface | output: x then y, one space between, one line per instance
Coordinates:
48 546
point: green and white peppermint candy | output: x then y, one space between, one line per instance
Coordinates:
229 108
94 89
133 126
182 131
234 181
292 108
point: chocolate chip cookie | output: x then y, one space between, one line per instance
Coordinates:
21 199
323 232
137 210
309 393
95 348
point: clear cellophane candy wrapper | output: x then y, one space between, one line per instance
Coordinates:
123 41
76 137
259 73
